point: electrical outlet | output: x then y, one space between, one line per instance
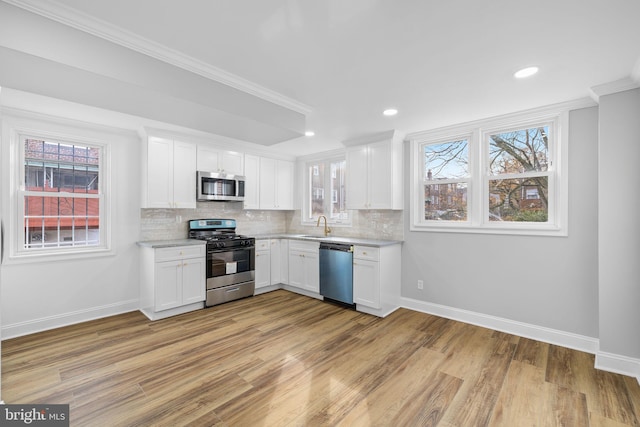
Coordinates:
420 284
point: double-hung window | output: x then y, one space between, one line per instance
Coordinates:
60 200
505 176
325 192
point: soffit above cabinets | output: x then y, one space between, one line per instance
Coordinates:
48 58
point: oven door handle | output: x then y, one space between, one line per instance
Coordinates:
221 250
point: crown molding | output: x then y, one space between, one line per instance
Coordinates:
628 83
539 113
99 28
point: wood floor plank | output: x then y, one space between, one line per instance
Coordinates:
282 359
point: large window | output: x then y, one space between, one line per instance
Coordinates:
446 180
60 201
325 191
500 176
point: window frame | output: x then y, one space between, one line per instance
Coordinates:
16 129
478 187
305 214
467 136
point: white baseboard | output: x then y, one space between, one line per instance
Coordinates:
618 364
539 333
604 361
45 323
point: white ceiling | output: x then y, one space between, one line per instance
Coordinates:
437 62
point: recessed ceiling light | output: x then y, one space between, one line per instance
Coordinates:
390 112
309 133
525 72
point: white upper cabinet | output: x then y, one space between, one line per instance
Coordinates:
212 159
169 178
374 173
252 178
275 185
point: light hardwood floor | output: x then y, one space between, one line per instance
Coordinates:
281 359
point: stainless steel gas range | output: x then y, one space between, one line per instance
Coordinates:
230 259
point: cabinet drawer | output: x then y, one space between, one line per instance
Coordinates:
262 244
299 245
366 252
178 252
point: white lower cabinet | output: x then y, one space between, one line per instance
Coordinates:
304 269
366 282
279 261
263 263
172 280
376 278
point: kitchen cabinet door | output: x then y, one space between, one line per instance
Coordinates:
284 184
304 270
207 159
366 283
263 264
212 159
159 177
284 261
357 159
193 280
232 162
312 272
374 174
170 177
276 184
168 285
267 183
276 261
379 192
252 180
184 175
297 271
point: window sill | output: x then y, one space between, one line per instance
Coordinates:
511 229
62 255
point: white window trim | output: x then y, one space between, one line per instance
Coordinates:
478 186
305 162
40 126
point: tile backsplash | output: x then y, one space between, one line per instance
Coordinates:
168 224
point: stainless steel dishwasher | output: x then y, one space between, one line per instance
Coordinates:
336 272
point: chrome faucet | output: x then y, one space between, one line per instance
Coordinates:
327 229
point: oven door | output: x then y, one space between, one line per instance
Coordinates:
230 266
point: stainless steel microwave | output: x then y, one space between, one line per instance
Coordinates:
218 186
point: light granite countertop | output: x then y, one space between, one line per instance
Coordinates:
170 243
307 237
331 239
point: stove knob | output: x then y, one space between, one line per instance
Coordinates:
221 244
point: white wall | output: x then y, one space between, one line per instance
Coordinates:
619 229
44 294
543 282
